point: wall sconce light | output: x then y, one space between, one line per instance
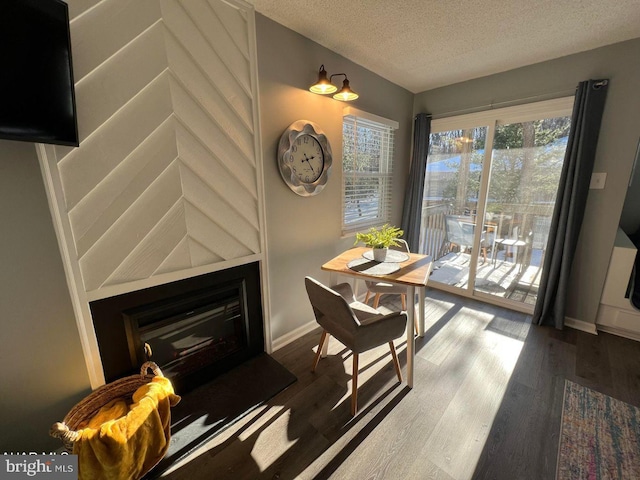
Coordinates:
345 94
324 86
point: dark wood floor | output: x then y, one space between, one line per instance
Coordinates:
486 404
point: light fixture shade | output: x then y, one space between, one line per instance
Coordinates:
323 86
346 94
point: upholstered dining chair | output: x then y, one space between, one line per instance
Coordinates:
382 288
356 325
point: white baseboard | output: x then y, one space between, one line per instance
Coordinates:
292 336
581 325
624 322
621 332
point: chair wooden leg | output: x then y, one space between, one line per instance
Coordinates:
376 300
354 386
403 299
366 299
395 360
325 347
323 339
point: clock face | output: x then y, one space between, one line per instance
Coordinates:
306 158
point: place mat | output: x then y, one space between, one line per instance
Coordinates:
392 256
371 267
599 436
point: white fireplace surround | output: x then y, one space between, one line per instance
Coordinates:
167 181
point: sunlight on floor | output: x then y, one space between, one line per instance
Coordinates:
480 393
273 443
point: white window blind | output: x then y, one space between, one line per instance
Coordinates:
367 169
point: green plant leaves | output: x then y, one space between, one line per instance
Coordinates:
383 237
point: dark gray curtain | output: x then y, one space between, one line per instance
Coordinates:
412 211
570 203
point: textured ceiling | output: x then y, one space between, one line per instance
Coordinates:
424 44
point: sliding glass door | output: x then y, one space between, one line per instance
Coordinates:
490 189
450 202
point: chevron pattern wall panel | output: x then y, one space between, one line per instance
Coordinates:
166 175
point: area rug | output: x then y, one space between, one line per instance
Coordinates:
600 436
211 408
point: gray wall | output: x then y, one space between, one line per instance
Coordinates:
304 232
616 148
42 369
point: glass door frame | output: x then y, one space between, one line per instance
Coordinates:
490 119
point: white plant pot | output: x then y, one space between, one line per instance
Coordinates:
379 254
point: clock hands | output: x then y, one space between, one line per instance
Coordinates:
308 162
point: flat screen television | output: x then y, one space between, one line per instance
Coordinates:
37 97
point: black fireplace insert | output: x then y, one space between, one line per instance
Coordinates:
194 329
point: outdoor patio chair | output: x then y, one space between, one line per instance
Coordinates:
460 232
511 245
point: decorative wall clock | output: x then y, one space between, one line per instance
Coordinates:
304 158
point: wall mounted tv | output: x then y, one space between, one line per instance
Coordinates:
37 98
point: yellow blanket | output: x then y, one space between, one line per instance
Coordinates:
125 441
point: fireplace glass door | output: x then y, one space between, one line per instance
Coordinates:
187 333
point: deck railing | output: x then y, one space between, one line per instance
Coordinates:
433 233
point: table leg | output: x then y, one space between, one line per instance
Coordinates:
356 287
421 300
411 345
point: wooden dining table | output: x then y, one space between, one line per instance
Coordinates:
412 272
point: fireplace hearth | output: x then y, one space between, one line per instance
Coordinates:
194 329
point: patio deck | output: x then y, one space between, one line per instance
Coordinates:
505 279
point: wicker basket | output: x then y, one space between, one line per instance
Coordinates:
88 407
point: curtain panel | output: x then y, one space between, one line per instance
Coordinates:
570 202
412 211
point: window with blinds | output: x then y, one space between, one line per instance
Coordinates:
367 169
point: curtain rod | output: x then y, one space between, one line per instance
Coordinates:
493 105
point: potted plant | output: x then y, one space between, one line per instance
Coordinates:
379 240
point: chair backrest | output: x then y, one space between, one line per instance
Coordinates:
541 227
458 232
332 311
402 246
